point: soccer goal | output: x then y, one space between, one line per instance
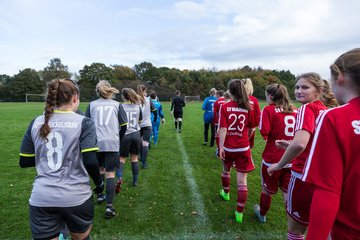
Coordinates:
32 97
192 98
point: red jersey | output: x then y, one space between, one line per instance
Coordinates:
334 163
220 101
237 121
306 120
257 112
275 125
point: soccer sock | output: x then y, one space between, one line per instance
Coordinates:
144 153
293 236
135 170
225 178
110 190
119 171
176 124
242 196
265 202
102 176
180 123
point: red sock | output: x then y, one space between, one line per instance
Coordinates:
241 199
225 178
265 202
293 236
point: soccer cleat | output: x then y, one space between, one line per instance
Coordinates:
135 183
118 186
101 198
239 216
260 217
204 143
224 195
144 166
110 212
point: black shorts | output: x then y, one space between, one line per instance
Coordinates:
47 222
146 133
130 144
108 160
178 114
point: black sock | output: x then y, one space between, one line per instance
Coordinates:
176 124
119 172
110 190
180 123
144 153
135 170
102 176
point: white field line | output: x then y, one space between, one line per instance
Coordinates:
202 220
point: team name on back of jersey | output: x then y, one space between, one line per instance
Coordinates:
236 109
59 124
356 126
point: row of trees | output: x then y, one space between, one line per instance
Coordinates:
163 80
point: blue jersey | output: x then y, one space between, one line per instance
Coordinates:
208 106
160 112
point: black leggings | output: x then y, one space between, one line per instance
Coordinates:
206 133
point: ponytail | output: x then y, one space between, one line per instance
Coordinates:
237 90
279 96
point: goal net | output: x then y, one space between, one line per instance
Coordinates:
31 97
192 99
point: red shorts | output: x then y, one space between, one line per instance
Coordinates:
299 199
243 161
279 179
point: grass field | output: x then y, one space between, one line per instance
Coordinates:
177 196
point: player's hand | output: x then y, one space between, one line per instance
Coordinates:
99 188
283 144
163 120
272 168
222 154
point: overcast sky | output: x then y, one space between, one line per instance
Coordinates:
299 36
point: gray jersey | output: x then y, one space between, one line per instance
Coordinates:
146 112
134 116
62 180
108 115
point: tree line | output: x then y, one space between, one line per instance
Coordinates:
163 80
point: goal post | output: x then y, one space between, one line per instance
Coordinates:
32 97
192 99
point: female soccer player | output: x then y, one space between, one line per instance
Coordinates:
145 126
277 122
308 91
333 165
254 105
130 143
236 118
61 145
110 122
156 122
208 107
220 101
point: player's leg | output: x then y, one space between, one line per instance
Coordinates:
146 133
242 195
111 163
225 180
206 132
101 160
134 152
212 138
156 127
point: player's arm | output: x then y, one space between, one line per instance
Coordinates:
264 125
222 132
203 107
88 146
323 211
172 105
153 110
122 121
295 148
27 150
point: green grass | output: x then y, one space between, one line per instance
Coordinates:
177 196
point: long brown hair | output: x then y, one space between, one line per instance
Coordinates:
280 97
237 90
59 92
141 89
348 64
130 95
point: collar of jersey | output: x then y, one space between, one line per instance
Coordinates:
63 111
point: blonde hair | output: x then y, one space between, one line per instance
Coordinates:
249 88
130 95
104 90
280 97
212 91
